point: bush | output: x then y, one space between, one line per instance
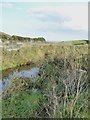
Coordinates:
64 90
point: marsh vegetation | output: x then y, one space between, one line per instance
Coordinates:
61 91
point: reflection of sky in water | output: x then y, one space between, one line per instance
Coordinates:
0 86
32 73
27 73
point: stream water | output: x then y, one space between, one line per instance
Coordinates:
24 71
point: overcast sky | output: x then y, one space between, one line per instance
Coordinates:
54 21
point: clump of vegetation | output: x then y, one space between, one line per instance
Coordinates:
21 100
64 90
27 39
23 104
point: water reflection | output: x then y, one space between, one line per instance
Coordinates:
30 73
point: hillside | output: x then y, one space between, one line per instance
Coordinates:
78 42
6 37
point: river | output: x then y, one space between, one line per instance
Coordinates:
28 71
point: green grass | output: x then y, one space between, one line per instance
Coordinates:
33 54
76 42
22 105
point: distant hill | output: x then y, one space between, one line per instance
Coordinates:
6 37
78 42
15 38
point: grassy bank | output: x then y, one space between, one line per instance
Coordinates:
31 54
